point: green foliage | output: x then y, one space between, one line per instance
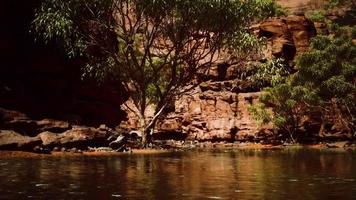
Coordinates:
260 113
61 22
317 16
324 85
353 32
65 21
276 9
71 23
330 67
336 3
267 8
347 11
288 104
270 73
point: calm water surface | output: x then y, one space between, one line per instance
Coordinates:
244 174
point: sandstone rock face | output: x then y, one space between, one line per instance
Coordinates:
211 115
302 30
287 36
216 110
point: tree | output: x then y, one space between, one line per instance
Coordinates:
330 71
323 86
155 47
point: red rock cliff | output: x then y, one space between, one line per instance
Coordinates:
218 108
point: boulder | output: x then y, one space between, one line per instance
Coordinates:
21 123
10 140
49 139
78 137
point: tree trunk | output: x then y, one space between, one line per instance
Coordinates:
144 132
322 129
147 133
291 131
147 127
145 137
292 137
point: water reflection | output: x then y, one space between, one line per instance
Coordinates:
279 174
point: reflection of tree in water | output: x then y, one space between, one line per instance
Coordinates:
239 174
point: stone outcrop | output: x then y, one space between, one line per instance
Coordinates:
287 36
10 140
19 132
79 137
302 30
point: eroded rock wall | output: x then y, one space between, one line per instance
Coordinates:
286 36
212 115
218 108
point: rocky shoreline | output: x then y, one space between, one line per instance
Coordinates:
172 146
205 146
18 132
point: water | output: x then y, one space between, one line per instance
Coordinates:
248 174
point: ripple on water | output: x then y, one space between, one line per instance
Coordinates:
33 197
85 178
73 186
293 180
76 193
214 197
42 185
